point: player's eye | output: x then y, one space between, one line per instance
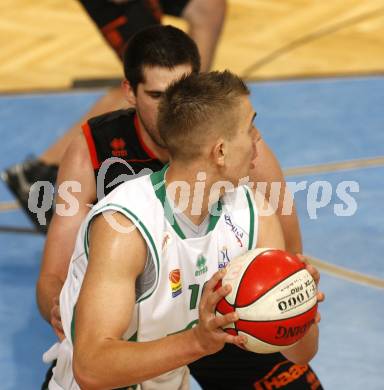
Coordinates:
155 95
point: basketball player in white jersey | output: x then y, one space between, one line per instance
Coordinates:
133 307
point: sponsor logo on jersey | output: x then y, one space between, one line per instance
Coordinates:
223 257
236 230
201 265
286 373
175 282
118 147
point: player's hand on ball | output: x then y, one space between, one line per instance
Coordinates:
56 319
310 268
209 333
315 275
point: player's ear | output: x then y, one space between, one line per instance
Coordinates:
129 93
220 152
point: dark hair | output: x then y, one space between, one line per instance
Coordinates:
196 107
164 46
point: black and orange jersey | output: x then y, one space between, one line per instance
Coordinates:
116 148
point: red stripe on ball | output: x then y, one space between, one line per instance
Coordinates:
266 271
231 331
224 307
279 332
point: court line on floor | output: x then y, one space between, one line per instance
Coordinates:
335 166
345 273
95 85
9 206
17 229
309 38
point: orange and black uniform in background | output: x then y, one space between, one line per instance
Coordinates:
118 21
117 135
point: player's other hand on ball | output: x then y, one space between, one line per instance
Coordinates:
208 332
315 275
310 268
56 319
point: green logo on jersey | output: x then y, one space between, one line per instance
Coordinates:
201 266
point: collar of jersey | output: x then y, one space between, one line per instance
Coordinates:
158 183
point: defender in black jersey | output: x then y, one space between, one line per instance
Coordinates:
132 136
115 138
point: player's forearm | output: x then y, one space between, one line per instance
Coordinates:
268 177
306 348
117 363
48 287
291 231
205 20
289 220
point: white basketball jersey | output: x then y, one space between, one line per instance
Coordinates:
182 265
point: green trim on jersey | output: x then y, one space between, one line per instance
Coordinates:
213 219
158 182
133 337
142 228
73 324
251 219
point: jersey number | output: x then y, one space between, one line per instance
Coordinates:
195 294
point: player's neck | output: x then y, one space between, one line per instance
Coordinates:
192 189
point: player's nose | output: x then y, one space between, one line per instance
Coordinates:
256 134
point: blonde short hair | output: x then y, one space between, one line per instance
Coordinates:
196 107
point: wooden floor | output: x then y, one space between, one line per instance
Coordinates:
48 44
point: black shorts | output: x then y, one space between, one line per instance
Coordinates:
118 22
233 368
249 372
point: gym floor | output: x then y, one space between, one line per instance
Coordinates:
326 131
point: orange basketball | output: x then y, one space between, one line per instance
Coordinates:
275 297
